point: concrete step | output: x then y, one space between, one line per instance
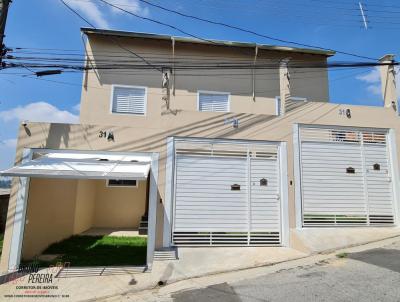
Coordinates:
142 230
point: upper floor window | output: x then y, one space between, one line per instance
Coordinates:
213 101
129 99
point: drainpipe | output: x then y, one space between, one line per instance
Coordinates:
284 84
173 66
388 82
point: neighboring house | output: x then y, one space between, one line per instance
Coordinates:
4 198
205 156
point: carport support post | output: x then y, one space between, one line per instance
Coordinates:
152 219
19 217
168 198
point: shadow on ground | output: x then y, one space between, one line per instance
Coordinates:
222 292
385 258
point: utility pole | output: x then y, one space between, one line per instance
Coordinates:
4 4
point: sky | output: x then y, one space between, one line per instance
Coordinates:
325 23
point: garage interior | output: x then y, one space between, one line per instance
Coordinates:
60 208
81 207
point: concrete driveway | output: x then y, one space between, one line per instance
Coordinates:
369 275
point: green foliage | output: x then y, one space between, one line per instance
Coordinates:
342 255
100 251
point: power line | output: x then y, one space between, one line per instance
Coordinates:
203 65
116 42
158 22
240 29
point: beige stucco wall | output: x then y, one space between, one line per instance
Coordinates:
50 214
85 205
119 207
194 124
97 85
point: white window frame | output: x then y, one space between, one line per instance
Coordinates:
113 186
278 103
128 86
213 92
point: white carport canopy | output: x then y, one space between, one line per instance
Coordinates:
83 166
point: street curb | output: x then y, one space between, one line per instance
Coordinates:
325 255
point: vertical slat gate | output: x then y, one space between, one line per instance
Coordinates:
345 177
221 198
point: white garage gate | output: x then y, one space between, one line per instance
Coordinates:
345 177
226 194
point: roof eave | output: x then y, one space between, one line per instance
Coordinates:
128 34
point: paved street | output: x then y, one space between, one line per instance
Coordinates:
372 275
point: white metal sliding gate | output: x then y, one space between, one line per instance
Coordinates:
345 177
226 194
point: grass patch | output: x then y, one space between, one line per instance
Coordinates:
342 255
99 251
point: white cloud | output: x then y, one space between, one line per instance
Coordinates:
373 79
90 11
38 112
374 89
96 14
133 6
77 107
10 143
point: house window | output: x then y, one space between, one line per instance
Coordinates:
213 101
129 100
291 103
122 183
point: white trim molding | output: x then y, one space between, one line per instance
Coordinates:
152 218
395 174
168 199
283 158
19 217
297 177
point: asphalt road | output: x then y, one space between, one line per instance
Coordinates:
373 275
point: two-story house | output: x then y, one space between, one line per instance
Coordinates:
204 143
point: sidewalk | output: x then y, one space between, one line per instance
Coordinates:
87 284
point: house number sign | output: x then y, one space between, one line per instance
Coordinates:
345 112
108 135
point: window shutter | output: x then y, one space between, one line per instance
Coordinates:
129 100
216 102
